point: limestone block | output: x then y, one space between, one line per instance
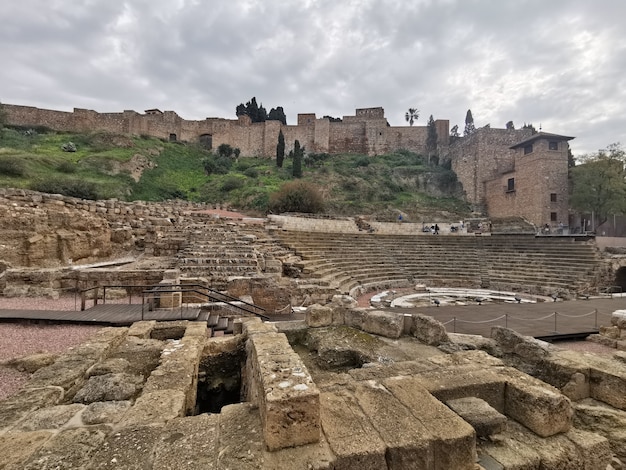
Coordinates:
608 384
350 435
196 329
141 329
318 316
603 340
386 324
428 330
71 448
454 440
107 412
68 374
169 330
621 344
354 317
620 356
506 338
48 418
109 387
33 362
241 443
538 406
130 448
510 454
577 388
483 418
251 328
532 349
594 449
16 448
109 366
612 332
155 407
618 318
409 443
178 446
344 301
289 402
466 381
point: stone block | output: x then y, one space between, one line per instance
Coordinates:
612 332
16 448
607 383
130 448
251 328
350 435
483 418
179 444
155 408
319 316
354 317
241 442
386 324
454 440
594 449
409 443
141 329
52 417
603 340
506 338
196 329
618 319
538 406
107 412
428 330
620 356
289 402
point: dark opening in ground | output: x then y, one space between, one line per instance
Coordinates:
219 381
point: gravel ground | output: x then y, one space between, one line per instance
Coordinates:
23 339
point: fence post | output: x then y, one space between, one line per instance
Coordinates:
454 325
555 330
506 320
595 323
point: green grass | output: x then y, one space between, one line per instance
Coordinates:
350 184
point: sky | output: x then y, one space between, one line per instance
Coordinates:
558 64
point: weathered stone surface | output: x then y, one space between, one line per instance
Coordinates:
108 412
109 366
48 418
317 456
597 417
386 324
612 332
354 317
538 406
472 342
454 440
109 387
341 346
33 362
156 407
17 448
241 440
64 373
142 354
510 453
483 418
26 400
350 435
409 443
593 449
506 338
190 443
317 316
141 329
130 448
428 330
169 330
196 329
618 319
71 448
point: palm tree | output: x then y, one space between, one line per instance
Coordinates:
411 115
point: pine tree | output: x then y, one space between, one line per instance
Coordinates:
280 150
469 123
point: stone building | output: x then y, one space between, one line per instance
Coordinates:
508 172
367 132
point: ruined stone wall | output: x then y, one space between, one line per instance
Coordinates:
367 132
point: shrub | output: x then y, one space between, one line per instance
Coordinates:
67 186
297 196
251 172
362 161
216 165
12 166
67 167
231 183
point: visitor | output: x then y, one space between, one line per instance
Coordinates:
436 229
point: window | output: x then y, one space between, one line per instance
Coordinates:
528 149
553 145
510 185
552 197
552 216
172 137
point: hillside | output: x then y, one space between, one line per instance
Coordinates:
103 166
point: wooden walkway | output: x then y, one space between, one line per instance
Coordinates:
107 314
542 320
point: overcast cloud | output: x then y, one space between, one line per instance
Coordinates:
556 63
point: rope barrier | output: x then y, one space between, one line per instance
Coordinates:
484 321
532 319
577 316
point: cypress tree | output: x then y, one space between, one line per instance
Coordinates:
297 159
280 149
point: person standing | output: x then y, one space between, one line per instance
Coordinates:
436 229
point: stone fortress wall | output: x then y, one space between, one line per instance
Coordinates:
366 132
